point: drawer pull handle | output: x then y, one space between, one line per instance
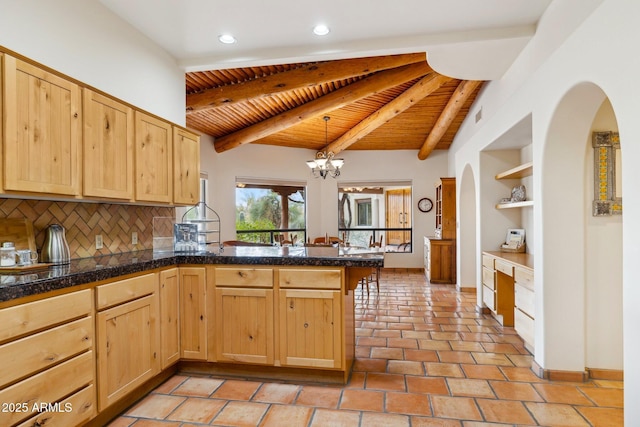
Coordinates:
242 274
250 337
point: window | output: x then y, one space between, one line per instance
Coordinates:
376 211
363 208
265 210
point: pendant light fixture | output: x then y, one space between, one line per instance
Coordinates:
325 164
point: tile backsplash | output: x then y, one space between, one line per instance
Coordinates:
83 221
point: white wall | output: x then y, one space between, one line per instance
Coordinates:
553 64
86 41
260 161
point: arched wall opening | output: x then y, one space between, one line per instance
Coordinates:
467 247
579 295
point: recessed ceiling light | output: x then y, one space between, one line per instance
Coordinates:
321 30
226 38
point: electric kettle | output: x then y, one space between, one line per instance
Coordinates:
55 249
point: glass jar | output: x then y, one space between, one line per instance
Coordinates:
7 255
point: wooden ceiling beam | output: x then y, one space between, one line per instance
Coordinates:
311 75
425 87
337 99
464 90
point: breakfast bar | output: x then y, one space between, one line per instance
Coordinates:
100 332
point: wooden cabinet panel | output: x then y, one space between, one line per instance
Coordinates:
489 298
125 290
43 130
127 342
442 261
83 409
244 277
446 208
310 328
193 324
48 386
153 159
525 300
398 215
30 317
108 147
504 267
488 278
310 278
169 317
524 326
44 349
186 167
244 325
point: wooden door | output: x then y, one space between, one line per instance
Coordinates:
193 324
153 159
186 167
43 130
169 317
244 325
310 328
398 214
108 147
127 344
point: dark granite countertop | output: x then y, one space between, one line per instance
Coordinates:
87 270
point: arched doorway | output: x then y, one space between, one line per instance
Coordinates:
580 306
467 247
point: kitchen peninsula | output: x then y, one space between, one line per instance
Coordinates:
136 318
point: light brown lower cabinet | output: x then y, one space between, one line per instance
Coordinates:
193 308
169 317
47 361
128 337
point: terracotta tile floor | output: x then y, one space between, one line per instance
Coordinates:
424 358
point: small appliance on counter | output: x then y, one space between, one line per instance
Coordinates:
185 237
55 249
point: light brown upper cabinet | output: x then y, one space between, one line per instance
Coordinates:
43 130
154 159
186 167
108 147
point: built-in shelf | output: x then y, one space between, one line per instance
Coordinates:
514 204
520 171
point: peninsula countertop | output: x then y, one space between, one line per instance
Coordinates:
87 270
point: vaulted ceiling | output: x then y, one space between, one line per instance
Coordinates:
375 103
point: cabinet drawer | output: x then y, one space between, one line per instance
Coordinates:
244 277
125 290
524 326
48 386
524 277
487 261
82 407
488 278
306 278
34 316
525 300
488 298
28 355
504 267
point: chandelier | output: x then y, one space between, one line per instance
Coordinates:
325 164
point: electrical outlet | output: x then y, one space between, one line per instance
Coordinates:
134 238
98 241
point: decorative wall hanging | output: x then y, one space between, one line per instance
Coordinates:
605 150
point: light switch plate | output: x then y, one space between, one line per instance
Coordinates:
98 241
134 238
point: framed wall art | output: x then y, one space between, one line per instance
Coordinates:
607 189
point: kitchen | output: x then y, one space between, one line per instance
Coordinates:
117 50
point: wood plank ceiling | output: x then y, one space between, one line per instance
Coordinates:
378 103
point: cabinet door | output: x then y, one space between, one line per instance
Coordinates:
186 167
154 159
310 328
193 324
169 317
108 147
43 130
127 338
244 325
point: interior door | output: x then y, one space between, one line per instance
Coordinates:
398 214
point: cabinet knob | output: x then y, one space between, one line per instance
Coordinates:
306 325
